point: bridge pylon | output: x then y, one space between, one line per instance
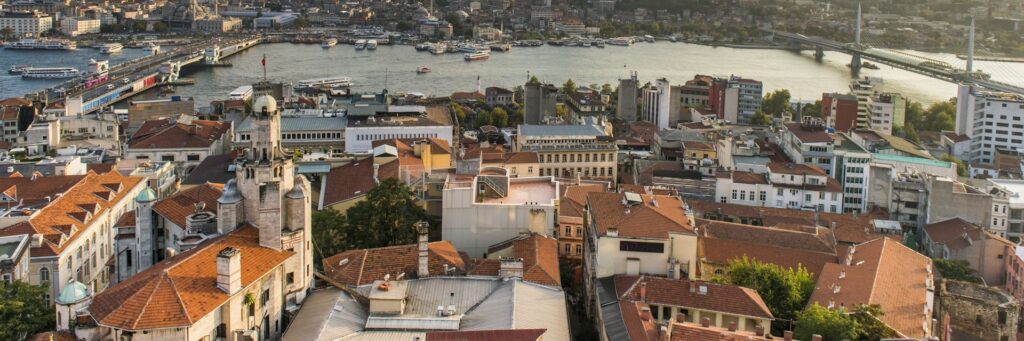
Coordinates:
819 53
855 62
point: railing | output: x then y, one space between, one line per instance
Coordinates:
501 190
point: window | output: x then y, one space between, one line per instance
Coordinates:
193 157
167 158
734 194
579 250
567 249
290 278
641 247
763 196
568 231
44 274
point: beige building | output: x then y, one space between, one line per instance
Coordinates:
24 24
79 26
959 239
571 229
218 24
567 151
183 140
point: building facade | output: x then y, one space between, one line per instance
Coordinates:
565 151
26 24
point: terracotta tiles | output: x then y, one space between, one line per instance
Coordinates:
644 220
723 298
363 266
169 134
489 335
179 206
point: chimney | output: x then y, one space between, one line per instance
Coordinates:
815 337
732 326
759 330
229 270
510 267
787 335
424 269
643 291
705 322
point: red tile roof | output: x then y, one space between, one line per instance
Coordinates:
809 134
540 260
795 169
179 206
724 298
721 242
847 228
181 290
884 272
643 220
638 320
489 335
696 332
354 180
169 134
574 200
363 266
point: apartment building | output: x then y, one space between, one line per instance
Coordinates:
568 151
959 239
992 120
571 211
887 111
661 104
839 111
78 26
185 141
1007 207
26 24
784 186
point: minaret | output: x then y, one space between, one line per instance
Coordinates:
857 38
970 49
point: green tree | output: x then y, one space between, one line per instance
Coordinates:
7 33
500 117
956 269
961 168
811 110
160 27
607 89
562 112
330 233
775 103
517 117
569 86
831 324
138 26
869 326
760 118
910 132
385 217
301 23
460 114
784 290
484 118
23 311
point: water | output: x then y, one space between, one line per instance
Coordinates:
799 72
14 85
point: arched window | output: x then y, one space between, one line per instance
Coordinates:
44 274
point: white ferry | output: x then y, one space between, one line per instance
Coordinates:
111 48
18 69
360 44
328 82
371 44
439 48
49 72
328 43
42 44
482 55
622 41
241 93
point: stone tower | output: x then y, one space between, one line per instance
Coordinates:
145 241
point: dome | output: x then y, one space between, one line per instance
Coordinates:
146 195
264 102
297 192
230 194
73 293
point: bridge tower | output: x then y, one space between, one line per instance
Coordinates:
856 38
970 49
819 53
211 55
855 62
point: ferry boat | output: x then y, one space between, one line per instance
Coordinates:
482 55
622 41
18 69
49 72
423 47
41 44
328 43
371 44
423 69
111 48
328 82
360 44
439 48
501 47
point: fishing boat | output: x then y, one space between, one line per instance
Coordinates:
423 69
111 48
18 69
371 44
360 44
49 72
482 55
328 43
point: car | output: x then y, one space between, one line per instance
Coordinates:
126 80
110 86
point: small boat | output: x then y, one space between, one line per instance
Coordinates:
49 72
371 44
439 48
622 41
867 65
328 43
599 43
649 38
482 55
423 69
423 47
111 48
18 69
360 44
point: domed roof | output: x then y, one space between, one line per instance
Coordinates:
264 102
230 194
73 293
297 192
146 195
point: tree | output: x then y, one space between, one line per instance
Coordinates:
961 168
569 86
517 117
385 217
7 33
760 118
160 27
330 233
830 324
301 23
784 290
869 326
775 103
460 114
138 26
484 118
403 26
910 133
811 110
500 117
956 269
23 311
607 89
562 112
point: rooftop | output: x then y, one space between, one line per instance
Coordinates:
638 215
543 131
526 190
363 266
172 134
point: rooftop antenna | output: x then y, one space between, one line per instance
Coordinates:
264 62
857 38
970 49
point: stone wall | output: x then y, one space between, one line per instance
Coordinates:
977 311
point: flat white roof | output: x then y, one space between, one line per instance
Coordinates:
1014 186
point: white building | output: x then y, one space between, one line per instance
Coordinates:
659 102
992 120
494 207
566 151
412 122
78 26
1007 207
240 284
26 23
887 111
784 186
